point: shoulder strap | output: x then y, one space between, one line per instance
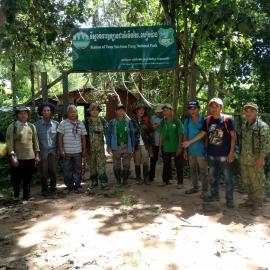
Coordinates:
146 120
208 119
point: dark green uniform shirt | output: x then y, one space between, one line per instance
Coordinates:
170 133
122 134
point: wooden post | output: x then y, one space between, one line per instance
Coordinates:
65 93
44 88
176 91
194 75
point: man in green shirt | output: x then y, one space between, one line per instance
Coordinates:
171 136
254 147
120 143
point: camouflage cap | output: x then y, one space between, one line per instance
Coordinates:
159 108
138 105
168 106
94 106
251 105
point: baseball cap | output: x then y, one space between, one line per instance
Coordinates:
215 100
120 106
167 105
94 106
251 105
193 104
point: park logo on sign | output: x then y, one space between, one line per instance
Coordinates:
166 37
81 40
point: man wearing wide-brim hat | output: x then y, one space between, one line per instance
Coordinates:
97 128
120 143
23 150
254 147
143 141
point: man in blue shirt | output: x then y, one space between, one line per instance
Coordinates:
195 153
220 132
47 136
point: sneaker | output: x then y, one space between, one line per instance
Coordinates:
191 191
45 193
229 204
180 186
256 211
246 204
163 184
204 195
212 198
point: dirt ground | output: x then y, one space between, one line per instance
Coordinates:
139 227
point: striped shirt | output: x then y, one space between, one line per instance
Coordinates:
72 135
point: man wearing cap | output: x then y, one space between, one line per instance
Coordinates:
195 153
171 135
221 137
254 147
121 142
48 143
155 121
143 141
97 129
72 147
23 150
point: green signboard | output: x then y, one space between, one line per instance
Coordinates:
124 48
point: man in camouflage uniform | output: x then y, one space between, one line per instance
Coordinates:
254 147
97 128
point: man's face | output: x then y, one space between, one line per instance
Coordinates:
193 111
22 116
215 109
72 114
46 112
160 114
167 112
250 114
94 113
120 113
140 112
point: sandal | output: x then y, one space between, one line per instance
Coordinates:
191 191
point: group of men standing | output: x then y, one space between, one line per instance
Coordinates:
205 142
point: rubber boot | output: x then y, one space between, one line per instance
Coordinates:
117 174
104 182
145 175
125 177
257 207
138 175
94 182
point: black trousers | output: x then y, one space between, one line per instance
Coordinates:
178 161
22 174
153 162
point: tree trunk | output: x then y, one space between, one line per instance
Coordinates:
13 81
32 77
